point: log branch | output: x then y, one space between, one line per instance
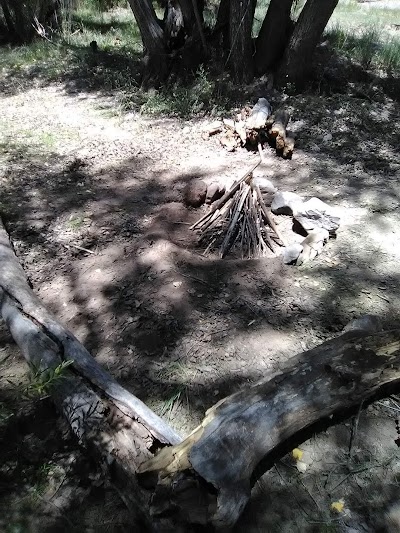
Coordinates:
243 435
116 426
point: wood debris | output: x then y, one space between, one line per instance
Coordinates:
239 219
254 126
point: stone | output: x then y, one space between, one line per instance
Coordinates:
215 191
315 204
286 203
368 323
291 253
313 245
195 192
313 219
314 213
264 184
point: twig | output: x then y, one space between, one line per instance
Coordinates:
389 407
383 298
395 400
267 215
354 428
225 245
192 278
357 471
70 245
226 196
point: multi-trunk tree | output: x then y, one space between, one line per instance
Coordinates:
283 45
181 37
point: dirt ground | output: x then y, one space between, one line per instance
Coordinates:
181 330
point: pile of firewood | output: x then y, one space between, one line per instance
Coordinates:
255 126
240 218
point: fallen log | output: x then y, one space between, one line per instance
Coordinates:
278 128
115 425
245 434
206 479
288 147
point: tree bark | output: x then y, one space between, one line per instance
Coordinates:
7 17
273 36
154 44
297 58
240 39
222 25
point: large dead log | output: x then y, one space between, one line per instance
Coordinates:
205 480
243 435
106 418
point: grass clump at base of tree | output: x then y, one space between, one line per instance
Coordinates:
362 35
115 67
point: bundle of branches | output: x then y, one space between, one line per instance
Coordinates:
256 126
239 218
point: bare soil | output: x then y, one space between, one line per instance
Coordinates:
181 330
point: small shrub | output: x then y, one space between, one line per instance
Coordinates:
41 381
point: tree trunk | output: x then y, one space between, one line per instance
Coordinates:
273 36
240 38
221 28
154 44
297 59
181 30
110 422
7 17
205 480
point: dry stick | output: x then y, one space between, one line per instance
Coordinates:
70 245
246 231
267 215
216 216
267 237
253 244
354 428
257 223
225 245
226 196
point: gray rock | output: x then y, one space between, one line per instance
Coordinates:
314 214
264 184
315 204
368 323
312 245
291 253
286 203
311 219
195 192
214 192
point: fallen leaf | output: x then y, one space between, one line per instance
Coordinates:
338 506
297 454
